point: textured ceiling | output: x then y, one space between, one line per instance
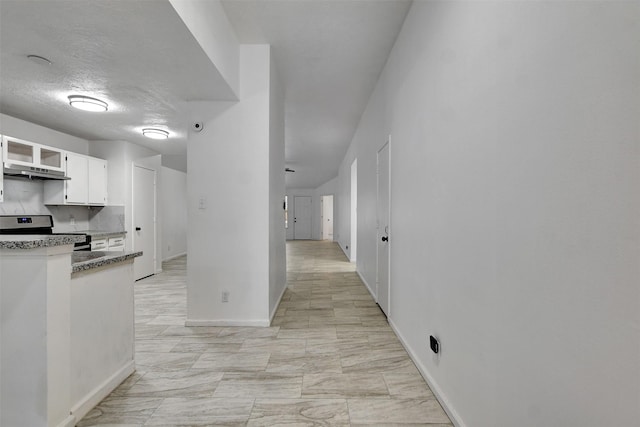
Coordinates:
140 58
136 55
329 55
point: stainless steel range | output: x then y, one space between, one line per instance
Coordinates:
38 224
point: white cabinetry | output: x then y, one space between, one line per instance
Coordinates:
97 181
116 243
87 186
1 174
76 189
111 244
20 152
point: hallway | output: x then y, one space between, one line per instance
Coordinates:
329 358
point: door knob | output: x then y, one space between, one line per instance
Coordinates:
385 238
138 228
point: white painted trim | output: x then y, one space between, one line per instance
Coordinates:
95 396
70 421
256 323
366 285
275 307
135 165
174 256
344 251
446 405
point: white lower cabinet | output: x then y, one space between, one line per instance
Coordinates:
111 244
116 244
99 244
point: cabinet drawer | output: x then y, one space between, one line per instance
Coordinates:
98 244
116 242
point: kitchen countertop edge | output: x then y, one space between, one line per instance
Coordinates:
108 259
22 241
97 234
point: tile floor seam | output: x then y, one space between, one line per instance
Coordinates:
326 307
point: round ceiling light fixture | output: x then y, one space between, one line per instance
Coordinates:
154 133
86 103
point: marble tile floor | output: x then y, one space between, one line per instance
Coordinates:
329 359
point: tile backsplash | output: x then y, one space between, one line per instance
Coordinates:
24 196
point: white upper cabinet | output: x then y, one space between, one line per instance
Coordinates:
20 152
87 184
97 181
76 189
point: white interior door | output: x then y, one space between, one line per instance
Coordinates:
144 222
383 291
302 217
327 218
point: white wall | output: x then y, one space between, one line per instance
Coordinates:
515 210
17 128
277 244
173 205
229 168
208 22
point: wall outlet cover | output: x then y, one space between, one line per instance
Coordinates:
435 345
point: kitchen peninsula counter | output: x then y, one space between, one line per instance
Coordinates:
33 241
82 261
67 330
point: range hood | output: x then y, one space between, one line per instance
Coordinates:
32 172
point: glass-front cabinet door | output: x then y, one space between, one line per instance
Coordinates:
21 152
18 151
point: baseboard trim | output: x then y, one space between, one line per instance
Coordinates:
344 251
70 421
444 402
223 322
275 307
174 256
366 285
87 403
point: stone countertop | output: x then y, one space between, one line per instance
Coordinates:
97 234
85 260
33 241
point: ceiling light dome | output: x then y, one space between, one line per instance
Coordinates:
154 133
86 103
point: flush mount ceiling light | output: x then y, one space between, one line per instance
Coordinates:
86 103
155 133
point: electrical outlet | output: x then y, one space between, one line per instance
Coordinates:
202 203
225 296
434 344
72 221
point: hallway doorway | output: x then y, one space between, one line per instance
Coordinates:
302 218
326 207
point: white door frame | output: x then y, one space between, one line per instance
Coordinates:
388 231
155 210
354 211
322 216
